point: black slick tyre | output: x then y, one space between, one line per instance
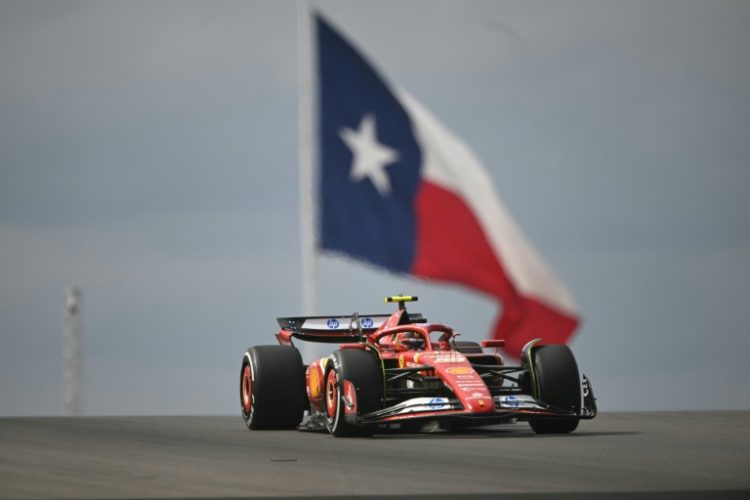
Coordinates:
362 369
558 384
272 387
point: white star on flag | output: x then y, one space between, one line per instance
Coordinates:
370 156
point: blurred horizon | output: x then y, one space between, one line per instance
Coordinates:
148 154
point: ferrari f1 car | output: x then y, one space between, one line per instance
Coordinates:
402 371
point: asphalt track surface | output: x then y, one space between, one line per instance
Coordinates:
617 455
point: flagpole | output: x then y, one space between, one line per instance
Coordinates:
307 155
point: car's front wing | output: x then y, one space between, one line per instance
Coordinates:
507 407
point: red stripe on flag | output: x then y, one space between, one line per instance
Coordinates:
451 246
538 320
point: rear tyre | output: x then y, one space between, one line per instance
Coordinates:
272 387
559 385
362 369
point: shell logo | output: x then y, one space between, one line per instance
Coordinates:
459 370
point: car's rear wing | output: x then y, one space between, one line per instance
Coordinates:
337 328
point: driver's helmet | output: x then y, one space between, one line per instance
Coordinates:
409 341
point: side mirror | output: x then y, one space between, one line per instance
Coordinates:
493 343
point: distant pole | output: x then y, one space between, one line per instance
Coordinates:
307 152
73 353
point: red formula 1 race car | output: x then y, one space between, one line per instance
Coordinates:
402 371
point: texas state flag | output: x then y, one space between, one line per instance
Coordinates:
399 190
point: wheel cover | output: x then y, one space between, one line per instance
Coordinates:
247 389
332 394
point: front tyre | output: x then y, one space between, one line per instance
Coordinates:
353 387
272 387
558 384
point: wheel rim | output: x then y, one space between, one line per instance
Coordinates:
247 389
332 394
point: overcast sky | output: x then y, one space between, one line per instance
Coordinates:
148 153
